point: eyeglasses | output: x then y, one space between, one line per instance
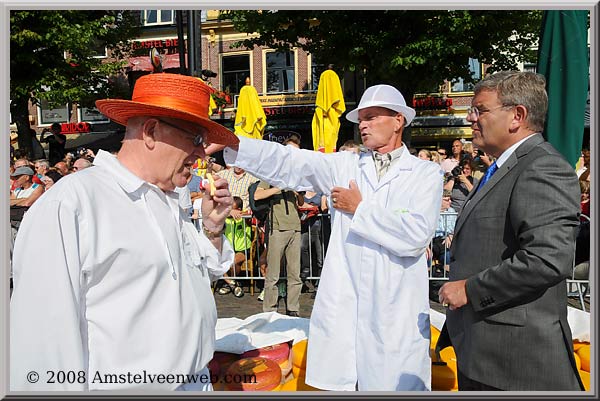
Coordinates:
442 154
197 140
474 113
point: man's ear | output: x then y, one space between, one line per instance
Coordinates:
149 132
520 114
401 121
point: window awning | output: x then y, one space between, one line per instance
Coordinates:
142 63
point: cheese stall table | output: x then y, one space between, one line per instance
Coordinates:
272 347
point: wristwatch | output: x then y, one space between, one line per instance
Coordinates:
212 234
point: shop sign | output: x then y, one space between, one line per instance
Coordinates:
280 136
149 44
431 103
75 128
292 99
286 111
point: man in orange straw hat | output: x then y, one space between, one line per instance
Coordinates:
118 293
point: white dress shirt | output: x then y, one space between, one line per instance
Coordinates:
111 279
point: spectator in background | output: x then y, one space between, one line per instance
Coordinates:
460 182
581 270
584 172
56 143
284 240
81 164
443 154
62 168
239 182
435 157
350 146
69 159
312 235
41 167
456 156
424 154
37 151
24 162
51 177
467 151
442 239
239 235
26 192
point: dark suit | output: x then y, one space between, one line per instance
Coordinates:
514 242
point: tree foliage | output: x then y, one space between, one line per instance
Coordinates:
414 50
52 58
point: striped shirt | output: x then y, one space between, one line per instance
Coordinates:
238 186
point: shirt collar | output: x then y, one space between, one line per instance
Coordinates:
125 178
506 154
395 154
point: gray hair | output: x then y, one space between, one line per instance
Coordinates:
43 162
514 88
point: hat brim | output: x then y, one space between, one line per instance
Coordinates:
407 112
120 111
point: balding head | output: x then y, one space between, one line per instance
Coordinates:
81 164
62 168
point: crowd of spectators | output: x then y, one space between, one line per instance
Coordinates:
463 167
34 173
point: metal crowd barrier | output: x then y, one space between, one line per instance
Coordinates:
251 268
575 287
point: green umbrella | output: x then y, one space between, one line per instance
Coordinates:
563 60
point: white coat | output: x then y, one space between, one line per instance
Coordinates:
112 288
370 320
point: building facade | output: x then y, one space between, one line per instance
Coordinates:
286 82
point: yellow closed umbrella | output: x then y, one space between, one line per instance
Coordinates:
250 118
329 106
212 106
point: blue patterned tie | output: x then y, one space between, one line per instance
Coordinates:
488 174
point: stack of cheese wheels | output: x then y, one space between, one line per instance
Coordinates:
299 358
253 374
582 351
218 367
279 353
444 371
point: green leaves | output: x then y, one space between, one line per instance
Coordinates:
411 49
52 52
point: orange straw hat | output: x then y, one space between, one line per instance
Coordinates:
172 96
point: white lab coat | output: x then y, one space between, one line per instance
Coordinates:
370 320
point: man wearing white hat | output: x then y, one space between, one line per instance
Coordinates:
369 327
118 294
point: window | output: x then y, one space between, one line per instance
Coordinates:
234 70
48 115
459 85
529 67
316 71
158 17
280 72
98 49
91 115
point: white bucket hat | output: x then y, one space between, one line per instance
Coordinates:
383 96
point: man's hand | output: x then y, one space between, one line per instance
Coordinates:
346 200
453 294
448 241
236 214
215 209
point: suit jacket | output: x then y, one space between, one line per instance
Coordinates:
514 242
